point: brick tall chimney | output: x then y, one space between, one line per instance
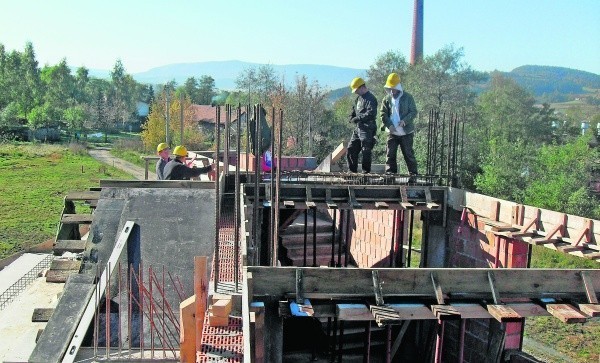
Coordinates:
416 50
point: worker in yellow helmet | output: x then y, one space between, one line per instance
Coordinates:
177 169
398 111
363 116
163 151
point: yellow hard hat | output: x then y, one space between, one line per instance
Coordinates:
356 83
392 80
180 151
161 147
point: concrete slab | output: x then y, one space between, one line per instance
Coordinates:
15 320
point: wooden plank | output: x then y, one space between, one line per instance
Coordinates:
340 283
385 315
329 201
76 218
41 315
58 264
85 195
566 313
413 311
187 329
592 310
201 293
353 312
69 245
59 276
503 313
471 311
288 204
179 184
54 340
526 310
258 338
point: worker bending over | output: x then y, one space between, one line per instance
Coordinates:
177 169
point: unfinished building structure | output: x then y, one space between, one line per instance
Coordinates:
305 262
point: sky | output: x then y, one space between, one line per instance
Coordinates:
143 34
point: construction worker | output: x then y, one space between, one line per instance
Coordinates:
363 116
163 152
177 169
398 111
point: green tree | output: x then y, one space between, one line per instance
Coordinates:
206 90
30 91
74 117
561 176
59 86
247 81
122 97
386 63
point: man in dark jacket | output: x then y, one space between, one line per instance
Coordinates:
363 137
398 111
176 169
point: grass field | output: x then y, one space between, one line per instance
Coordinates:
34 178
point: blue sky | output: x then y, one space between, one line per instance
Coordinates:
495 34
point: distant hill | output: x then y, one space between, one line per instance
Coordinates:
554 84
546 83
225 73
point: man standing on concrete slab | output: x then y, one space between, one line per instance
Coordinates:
177 169
163 152
398 111
363 116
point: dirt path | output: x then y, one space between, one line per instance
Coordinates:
103 155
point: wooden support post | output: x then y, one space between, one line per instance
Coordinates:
201 295
257 320
404 203
354 204
187 334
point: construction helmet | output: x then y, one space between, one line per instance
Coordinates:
392 80
356 83
180 151
161 147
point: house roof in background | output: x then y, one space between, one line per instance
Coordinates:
207 114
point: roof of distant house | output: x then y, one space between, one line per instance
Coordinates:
207 113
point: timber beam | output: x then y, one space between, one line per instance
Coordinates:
327 196
456 283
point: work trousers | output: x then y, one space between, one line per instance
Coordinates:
361 140
406 146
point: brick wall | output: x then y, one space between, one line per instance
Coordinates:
472 246
371 237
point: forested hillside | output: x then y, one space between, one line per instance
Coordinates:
555 84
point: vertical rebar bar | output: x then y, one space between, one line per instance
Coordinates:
164 347
401 237
237 200
129 308
140 282
107 311
339 238
278 180
461 342
272 226
305 234
217 196
151 314
247 141
341 342
119 312
255 218
439 343
314 212
393 239
410 236
367 346
347 241
332 262
388 344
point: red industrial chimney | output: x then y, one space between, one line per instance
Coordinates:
416 50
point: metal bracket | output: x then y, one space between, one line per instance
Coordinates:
439 296
492 281
299 286
377 288
309 201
